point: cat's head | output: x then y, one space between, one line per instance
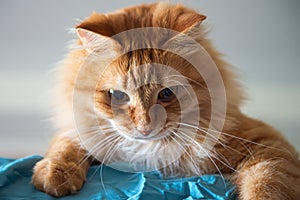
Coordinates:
147 81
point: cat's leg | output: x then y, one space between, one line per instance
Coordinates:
277 178
63 170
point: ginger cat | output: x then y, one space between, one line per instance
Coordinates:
146 87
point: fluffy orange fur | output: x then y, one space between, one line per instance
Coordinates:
261 163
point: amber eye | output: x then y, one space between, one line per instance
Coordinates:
166 95
118 97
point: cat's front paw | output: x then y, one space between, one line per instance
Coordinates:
58 178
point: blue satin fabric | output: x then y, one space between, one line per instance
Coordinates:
108 183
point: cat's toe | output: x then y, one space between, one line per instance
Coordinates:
57 178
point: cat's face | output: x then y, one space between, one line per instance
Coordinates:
145 101
147 110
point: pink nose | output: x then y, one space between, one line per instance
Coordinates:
145 133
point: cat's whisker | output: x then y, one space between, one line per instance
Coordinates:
111 150
199 145
181 146
88 155
95 148
224 146
86 129
235 137
212 137
198 128
95 135
101 146
118 142
247 149
214 163
202 136
219 142
98 129
255 143
223 160
106 141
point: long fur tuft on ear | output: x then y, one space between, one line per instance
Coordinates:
94 42
176 17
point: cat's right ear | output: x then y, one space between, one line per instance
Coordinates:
94 42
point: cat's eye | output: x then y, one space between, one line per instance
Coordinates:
118 97
166 94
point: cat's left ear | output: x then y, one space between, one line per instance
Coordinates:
195 30
186 41
190 22
94 42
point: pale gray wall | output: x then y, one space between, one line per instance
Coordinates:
261 38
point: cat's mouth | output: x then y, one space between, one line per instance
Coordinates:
158 136
141 138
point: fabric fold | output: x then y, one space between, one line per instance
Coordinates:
104 182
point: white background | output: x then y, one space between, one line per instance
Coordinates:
260 38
